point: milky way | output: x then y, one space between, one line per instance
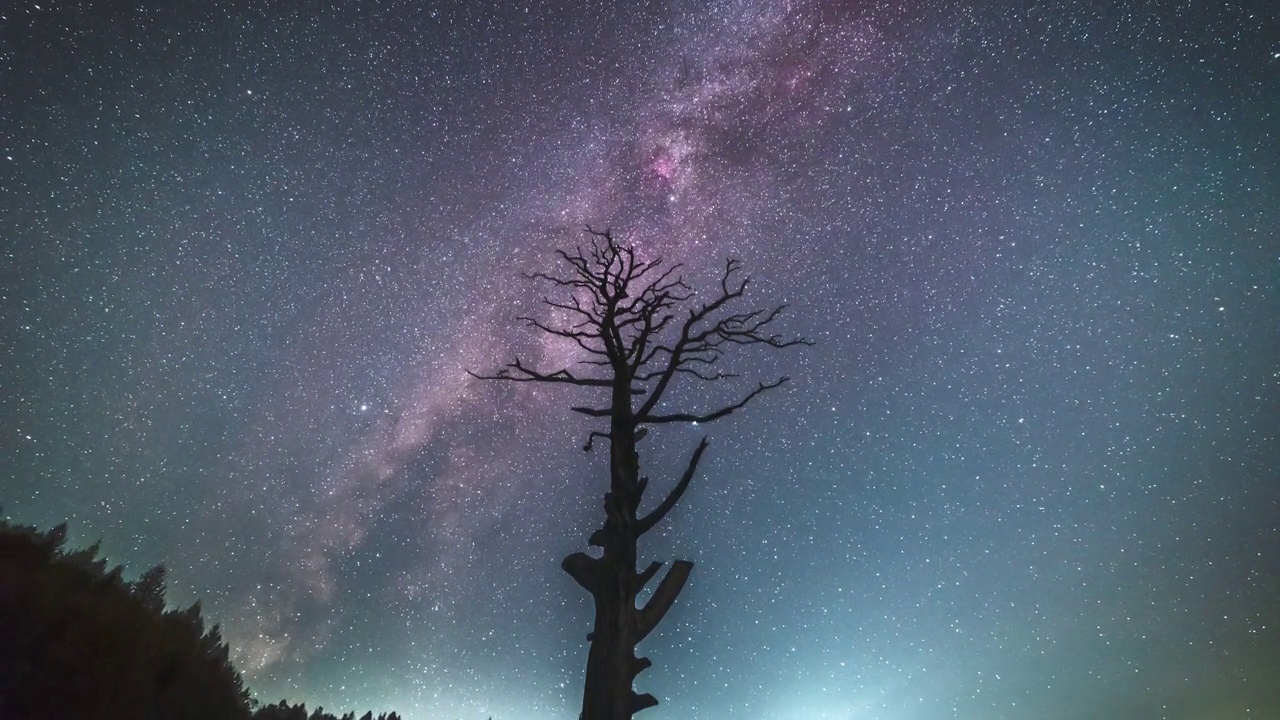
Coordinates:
1028 471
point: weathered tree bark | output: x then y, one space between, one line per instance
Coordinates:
628 304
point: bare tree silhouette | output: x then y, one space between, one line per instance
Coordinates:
639 331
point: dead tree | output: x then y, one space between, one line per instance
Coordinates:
638 331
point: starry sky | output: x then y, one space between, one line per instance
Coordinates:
1031 468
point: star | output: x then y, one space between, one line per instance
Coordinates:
241 329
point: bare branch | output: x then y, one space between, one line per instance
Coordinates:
648 617
644 576
687 337
708 417
530 375
709 377
581 338
575 308
646 523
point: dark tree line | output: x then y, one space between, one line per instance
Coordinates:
78 642
639 332
284 711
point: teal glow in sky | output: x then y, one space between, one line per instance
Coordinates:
1029 471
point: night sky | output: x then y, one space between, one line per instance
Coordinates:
1031 468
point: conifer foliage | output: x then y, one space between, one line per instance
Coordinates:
77 642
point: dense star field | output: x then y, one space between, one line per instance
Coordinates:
1030 470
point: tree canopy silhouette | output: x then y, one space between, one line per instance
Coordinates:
78 641
639 330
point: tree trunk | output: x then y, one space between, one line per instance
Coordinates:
613 582
638 319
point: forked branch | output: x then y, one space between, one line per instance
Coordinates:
623 314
